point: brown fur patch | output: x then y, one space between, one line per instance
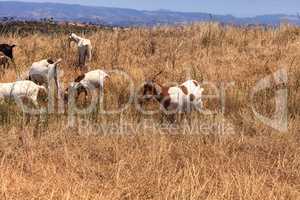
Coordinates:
66 95
79 78
82 89
50 61
196 84
42 93
3 60
42 96
165 99
165 91
192 97
149 89
166 102
184 89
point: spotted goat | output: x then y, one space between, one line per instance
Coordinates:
176 99
91 81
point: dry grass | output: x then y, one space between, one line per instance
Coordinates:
249 160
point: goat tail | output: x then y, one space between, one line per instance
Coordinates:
89 52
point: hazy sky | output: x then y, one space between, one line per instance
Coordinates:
235 7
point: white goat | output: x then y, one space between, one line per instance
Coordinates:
84 48
43 71
92 80
23 90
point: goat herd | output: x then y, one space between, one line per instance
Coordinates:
34 87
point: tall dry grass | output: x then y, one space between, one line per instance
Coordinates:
249 160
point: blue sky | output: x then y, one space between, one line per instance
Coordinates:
235 7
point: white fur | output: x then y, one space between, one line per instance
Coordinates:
95 78
93 81
181 101
21 89
42 71
84 48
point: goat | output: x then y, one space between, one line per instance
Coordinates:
23 90
176 99
4 62
7 50
84 48
91 80
43 71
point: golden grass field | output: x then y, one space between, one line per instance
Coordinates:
246 160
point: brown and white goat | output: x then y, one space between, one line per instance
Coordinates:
91 81
176 99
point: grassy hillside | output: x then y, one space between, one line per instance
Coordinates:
128 155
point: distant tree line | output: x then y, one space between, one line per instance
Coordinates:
9 25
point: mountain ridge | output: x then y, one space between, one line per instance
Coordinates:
126 16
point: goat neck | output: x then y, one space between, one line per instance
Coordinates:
75 38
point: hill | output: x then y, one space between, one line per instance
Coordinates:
126 17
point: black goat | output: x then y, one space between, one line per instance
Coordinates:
7 50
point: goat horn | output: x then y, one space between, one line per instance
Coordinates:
155 77
58 61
